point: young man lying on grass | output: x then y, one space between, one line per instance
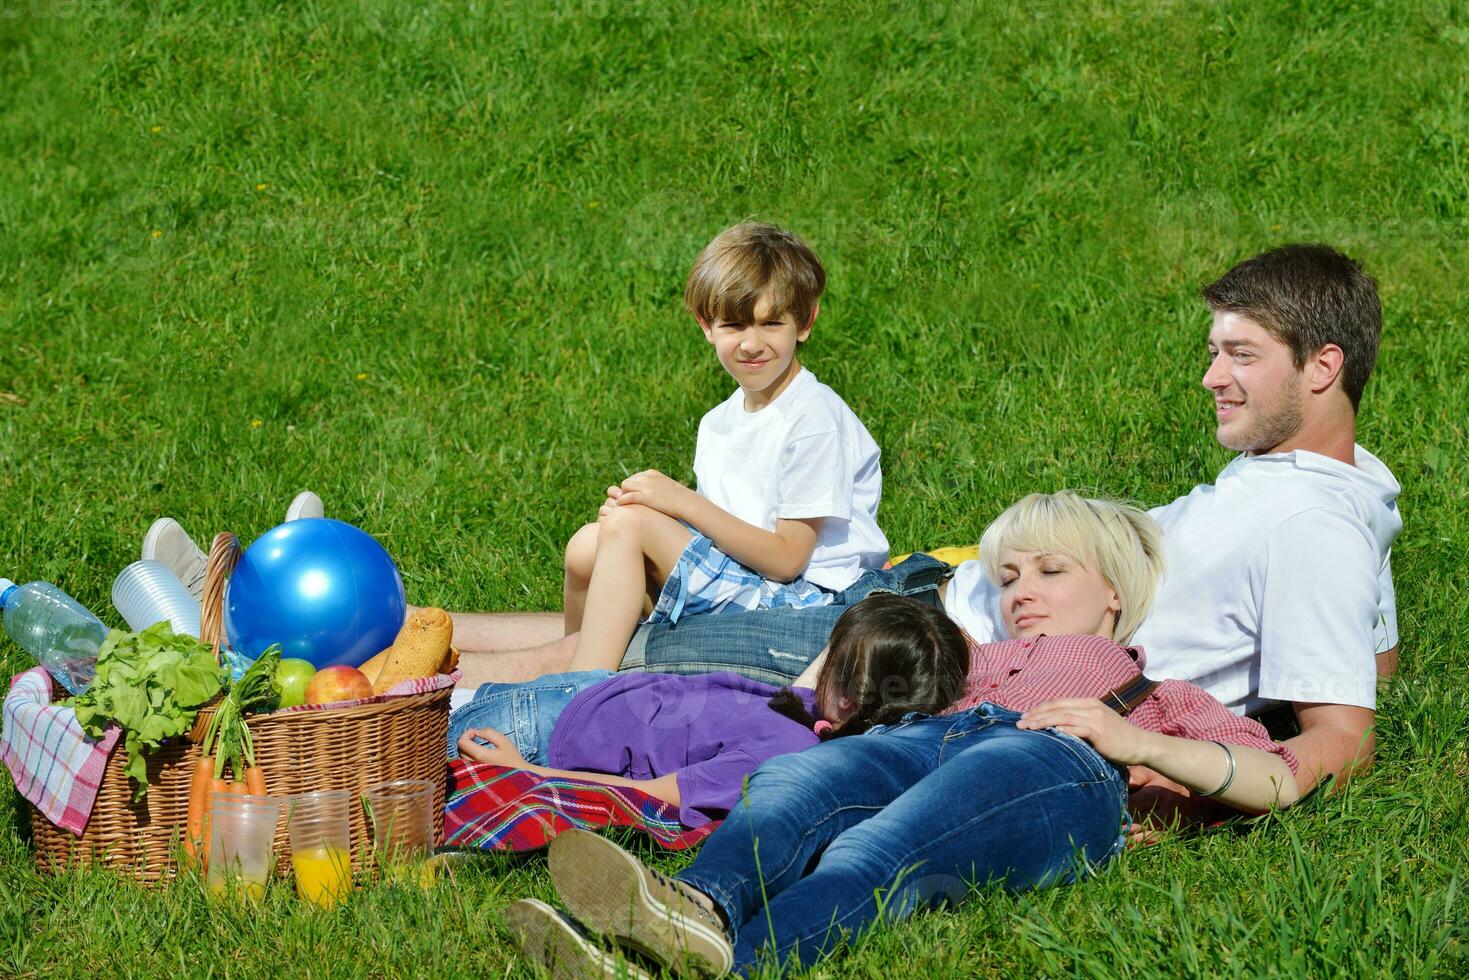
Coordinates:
1278 589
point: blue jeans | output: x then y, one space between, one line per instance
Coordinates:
865 829
771 645
525 712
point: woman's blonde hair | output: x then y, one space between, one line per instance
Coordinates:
1118 541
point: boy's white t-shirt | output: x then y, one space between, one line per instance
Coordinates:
1277 583
804 455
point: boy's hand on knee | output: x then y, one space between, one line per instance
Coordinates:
655 490
613 493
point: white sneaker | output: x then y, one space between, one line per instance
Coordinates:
611 892
306 504
562 947
167 542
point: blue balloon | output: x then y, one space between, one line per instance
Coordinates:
326 591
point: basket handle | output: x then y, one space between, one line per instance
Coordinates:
224 553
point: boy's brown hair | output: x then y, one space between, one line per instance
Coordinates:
1308 296
743 262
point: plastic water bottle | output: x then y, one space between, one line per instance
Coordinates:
55 629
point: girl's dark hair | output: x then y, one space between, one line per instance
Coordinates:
888 655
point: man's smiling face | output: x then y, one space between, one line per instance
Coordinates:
1258 393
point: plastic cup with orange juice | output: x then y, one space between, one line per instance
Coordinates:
321 846
323 874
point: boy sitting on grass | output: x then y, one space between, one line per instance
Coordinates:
785 513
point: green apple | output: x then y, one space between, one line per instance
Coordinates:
293 676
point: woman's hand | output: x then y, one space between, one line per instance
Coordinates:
1249 779
1108 732
500 752
1155 802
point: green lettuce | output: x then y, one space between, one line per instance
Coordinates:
153 684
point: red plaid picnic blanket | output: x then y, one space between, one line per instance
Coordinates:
497 809
54 763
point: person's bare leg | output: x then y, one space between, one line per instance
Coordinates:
635 546
581 558
510 666
501 632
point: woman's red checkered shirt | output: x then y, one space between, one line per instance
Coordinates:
1020 674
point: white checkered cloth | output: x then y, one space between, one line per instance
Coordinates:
706 580
55 764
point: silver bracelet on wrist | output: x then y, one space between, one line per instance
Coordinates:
1228 779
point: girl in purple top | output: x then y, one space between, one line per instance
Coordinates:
691 740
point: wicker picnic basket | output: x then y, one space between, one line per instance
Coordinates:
348 748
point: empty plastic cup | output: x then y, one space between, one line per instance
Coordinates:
321 845
242 829
148 592
402 814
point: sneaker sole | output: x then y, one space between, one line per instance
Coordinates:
191 574
549 940
304 504
150 540
607 890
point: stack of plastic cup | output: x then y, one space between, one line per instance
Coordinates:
241 831
402 814
321 845
148 592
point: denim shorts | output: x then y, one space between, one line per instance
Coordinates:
706 580
525 712
772 646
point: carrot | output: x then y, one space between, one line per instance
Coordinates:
194 828
202 789
255 781
216 785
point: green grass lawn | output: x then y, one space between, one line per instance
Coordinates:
428 260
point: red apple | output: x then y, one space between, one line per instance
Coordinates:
338 683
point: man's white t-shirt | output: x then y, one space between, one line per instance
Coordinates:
1277 583
804 455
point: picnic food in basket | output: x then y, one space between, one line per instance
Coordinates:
330 685
152 683
293 675
348 747
229 738
419 650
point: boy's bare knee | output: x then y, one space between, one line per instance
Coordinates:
581 551
625 521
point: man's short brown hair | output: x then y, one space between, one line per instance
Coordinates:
1308 296
741 263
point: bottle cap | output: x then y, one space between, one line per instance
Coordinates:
6 587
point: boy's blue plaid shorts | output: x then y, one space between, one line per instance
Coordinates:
706 580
